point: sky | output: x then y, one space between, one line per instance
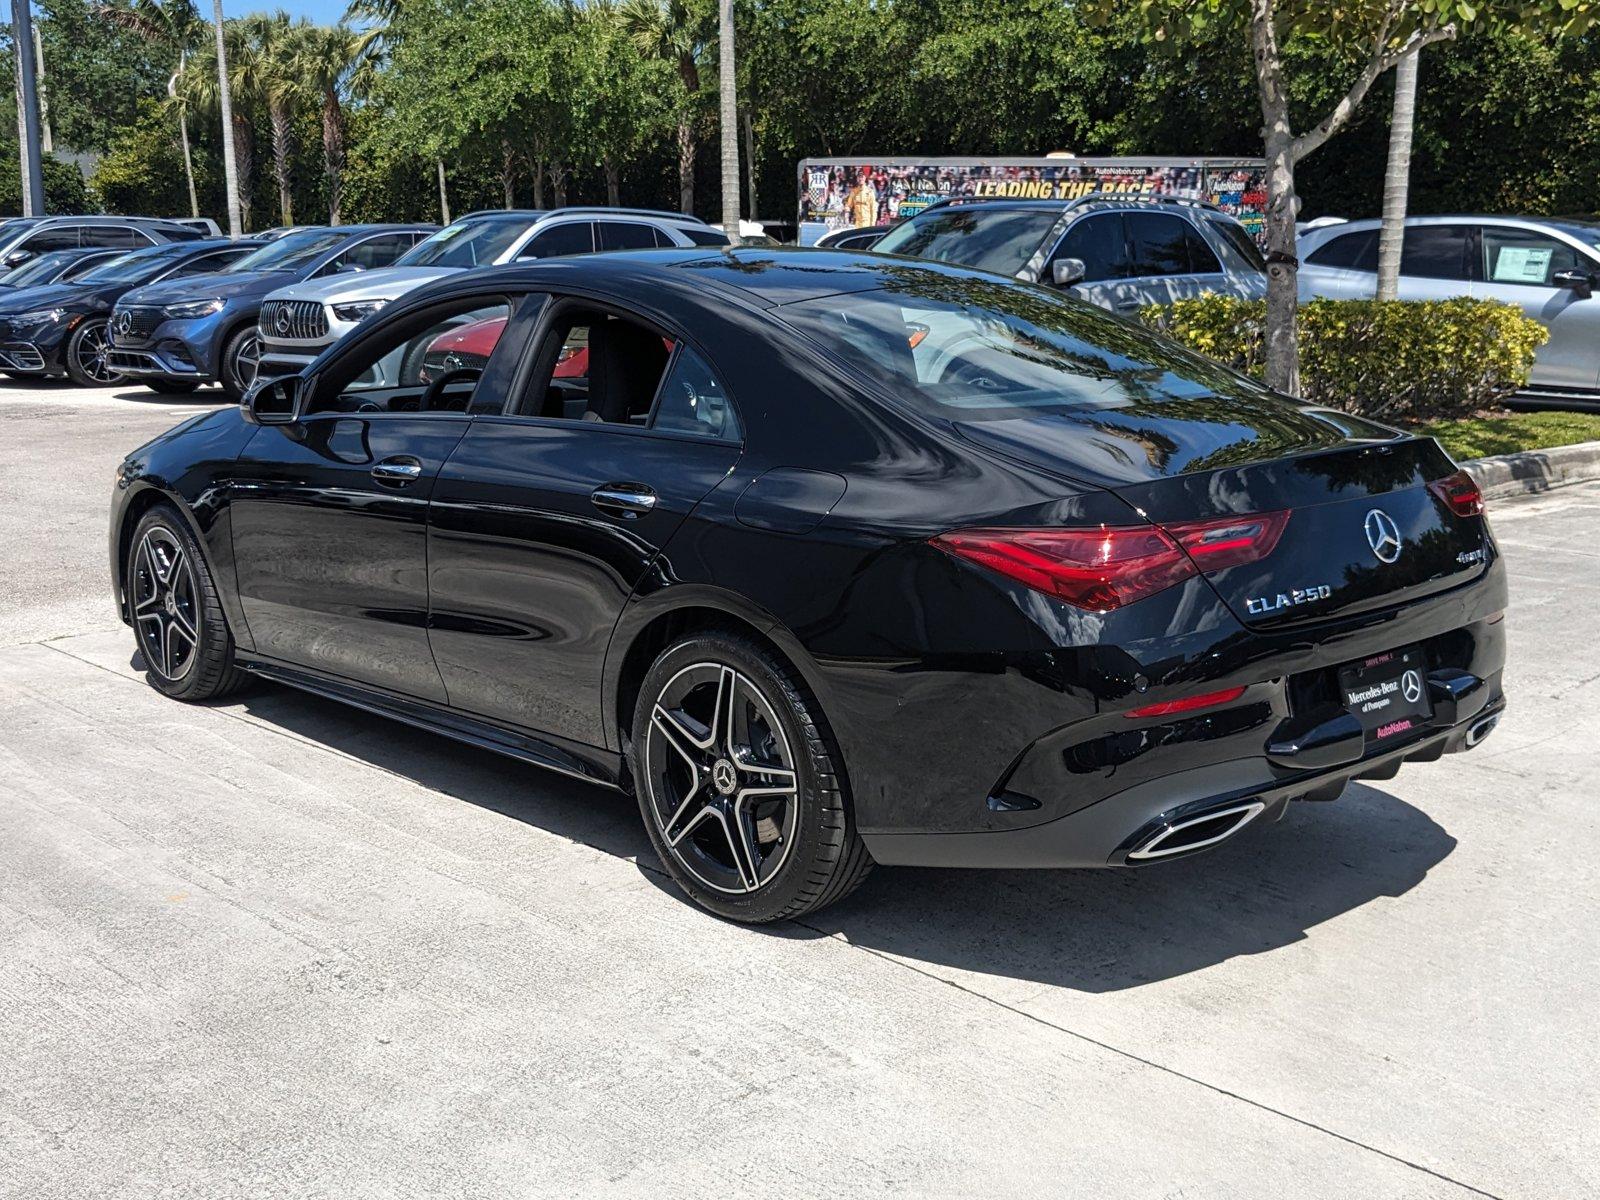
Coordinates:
325 11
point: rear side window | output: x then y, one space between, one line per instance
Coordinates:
1100 243
705 237
113 235
692 400
1349 252
624 235
1234 236
990 239
1435 252
574 237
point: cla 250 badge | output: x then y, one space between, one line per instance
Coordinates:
1260 605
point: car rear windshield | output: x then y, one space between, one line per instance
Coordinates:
964 349
474 243
1000 240
290 252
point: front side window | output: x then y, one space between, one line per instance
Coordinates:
60 237
624 235
372 253
430 364
1100 244
556 241
990 239
1348 252
1234 235
967 349
1525 257
113 235
1435 252
205 264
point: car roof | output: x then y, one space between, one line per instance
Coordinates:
769 276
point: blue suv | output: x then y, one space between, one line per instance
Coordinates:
204 328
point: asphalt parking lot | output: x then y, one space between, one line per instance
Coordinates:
276 947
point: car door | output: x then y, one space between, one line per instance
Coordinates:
546 518
330 514
1519 267
1100 242
1168 260
1344 267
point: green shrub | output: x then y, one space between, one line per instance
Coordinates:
1395 360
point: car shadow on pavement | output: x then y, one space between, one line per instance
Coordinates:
1092 931
140 394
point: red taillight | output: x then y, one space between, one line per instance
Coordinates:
1221 542
1106 568
1460 493
1098 569
1187 704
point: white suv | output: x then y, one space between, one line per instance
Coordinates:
298 323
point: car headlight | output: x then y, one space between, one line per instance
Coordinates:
188 310
39 316
357 309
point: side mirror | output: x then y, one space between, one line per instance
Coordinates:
348 268
273 401
17 257
1065 272
1581 282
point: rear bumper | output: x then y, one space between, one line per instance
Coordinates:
1180 814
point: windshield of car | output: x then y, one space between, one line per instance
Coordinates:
474 243
290 252
965 349
991 239
43 268
140 266
1587 232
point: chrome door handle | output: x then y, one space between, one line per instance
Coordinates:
626 500
397 471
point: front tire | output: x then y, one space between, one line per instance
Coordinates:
86 362
740 784
240 359
177 614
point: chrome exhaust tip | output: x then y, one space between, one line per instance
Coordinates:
1481 729
1197 832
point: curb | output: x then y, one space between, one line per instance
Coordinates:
1534 471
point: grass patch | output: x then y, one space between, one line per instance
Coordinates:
1478 437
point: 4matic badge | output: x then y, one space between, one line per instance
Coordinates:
1258 606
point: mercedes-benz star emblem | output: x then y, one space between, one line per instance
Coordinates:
124 321
1383 535
1411 686
723 777
282 322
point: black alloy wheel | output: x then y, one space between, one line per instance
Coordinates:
738 783
87 360
240 360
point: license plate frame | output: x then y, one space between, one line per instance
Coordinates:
1388 694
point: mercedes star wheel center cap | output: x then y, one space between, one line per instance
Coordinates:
723 777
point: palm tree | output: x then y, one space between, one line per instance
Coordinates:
176 25
231 172
1397 175
232 70
271 37
326 58
671 31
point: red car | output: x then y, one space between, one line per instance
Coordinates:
470 346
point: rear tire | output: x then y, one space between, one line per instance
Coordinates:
754 824
177 614
240 359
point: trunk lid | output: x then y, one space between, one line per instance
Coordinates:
1364 531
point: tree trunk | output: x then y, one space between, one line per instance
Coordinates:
244 148
558 183
538 179
282 149
1397 175
230 170
508 172
1282 349
750 161
333 151
46 141
183 132
728 102
613 182
686 149
444 195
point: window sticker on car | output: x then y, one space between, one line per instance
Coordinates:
1522 264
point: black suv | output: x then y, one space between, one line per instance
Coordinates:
1118 251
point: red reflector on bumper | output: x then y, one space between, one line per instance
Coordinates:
1187 704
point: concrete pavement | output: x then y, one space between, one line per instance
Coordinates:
278 947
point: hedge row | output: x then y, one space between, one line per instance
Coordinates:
1395 360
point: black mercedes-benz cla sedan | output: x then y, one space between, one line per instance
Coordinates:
829 559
